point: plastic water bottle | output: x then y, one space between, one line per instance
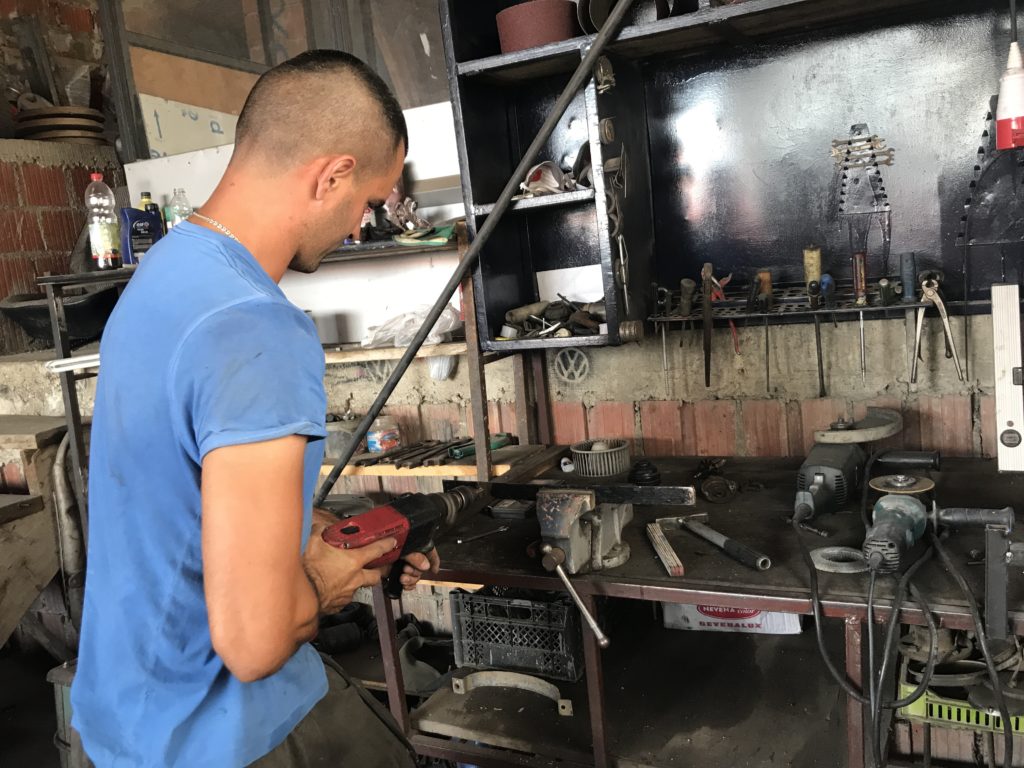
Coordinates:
104 232
181 208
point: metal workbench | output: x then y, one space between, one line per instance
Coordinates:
756 517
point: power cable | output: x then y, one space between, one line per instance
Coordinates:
812 573
986 651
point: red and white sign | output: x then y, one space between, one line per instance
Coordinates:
718 618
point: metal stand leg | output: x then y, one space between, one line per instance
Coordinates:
72 413
477 379
854 710
545 432
385 615
595 689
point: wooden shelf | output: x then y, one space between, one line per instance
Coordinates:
364 355
691 33
542 201
503 461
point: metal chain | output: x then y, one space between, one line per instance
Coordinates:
217 224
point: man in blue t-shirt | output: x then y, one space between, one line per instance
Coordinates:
206 571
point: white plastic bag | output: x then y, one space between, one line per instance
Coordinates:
400 330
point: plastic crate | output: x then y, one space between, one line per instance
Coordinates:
951 712
540 637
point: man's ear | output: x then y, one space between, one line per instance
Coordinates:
331 172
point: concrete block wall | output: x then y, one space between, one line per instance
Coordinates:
41 214
629 395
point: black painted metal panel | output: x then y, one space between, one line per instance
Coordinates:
741 170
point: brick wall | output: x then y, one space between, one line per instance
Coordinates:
70 31
41 214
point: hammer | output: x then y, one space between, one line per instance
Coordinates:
735 549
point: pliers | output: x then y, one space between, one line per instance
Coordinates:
930 295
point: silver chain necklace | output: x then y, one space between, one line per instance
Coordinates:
217 224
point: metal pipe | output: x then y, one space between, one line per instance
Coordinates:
70 535
579 78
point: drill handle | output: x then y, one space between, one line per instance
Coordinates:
972 517
392 582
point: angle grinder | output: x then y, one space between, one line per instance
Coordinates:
836 464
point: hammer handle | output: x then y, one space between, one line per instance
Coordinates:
735 549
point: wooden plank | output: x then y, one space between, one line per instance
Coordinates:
505 459
16 506
360 355
26 432
28 562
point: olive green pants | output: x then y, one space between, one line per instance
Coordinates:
347 727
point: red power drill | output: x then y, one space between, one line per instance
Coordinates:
412 519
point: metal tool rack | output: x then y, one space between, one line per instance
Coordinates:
55 286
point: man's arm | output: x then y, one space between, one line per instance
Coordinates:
262 596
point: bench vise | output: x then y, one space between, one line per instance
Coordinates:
584 536
578 535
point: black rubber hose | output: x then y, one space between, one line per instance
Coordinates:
579 78
890 637
872 685
812 573
979 629
933 653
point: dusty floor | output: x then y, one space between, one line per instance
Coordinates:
27 717
674 699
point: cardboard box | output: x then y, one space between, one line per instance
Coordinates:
714 618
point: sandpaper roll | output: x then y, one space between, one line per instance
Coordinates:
536 22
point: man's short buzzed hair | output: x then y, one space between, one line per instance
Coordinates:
322 103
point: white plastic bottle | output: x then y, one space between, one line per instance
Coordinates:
181 208
104 232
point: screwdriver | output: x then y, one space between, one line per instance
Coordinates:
828 293
765 299
814 294
860 293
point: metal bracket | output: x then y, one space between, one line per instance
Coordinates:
463 683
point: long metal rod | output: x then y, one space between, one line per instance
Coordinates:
578 80
602 638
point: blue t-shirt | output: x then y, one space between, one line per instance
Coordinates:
203 350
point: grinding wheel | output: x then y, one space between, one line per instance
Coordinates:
902 484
